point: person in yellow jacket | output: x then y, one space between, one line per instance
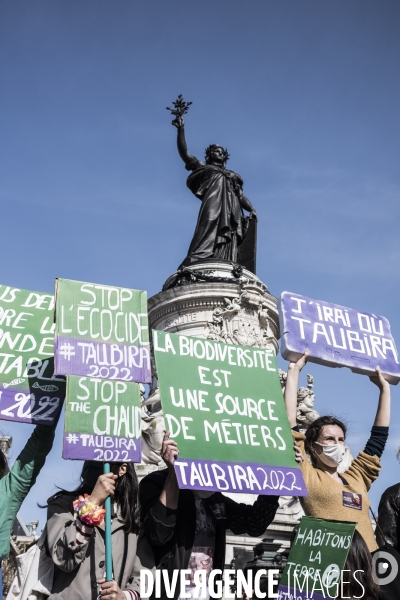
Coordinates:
333 495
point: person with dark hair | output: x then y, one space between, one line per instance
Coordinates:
75 536
16 483
357 575
187 528
334 495
388 529
219 230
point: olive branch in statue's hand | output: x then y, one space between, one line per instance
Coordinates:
179 109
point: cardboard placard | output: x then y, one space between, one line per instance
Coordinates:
101 331
29 390
224 407
316 559
337 336
102 420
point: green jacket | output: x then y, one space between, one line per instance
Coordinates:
15 486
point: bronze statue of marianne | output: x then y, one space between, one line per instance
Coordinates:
221 225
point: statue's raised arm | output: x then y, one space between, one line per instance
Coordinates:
221 226
187 158
181 108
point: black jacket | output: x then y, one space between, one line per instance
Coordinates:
171 532
389 517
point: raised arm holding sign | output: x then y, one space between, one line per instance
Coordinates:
334 494
29 393
16 483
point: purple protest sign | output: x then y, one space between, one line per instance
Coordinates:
84 446
30 392
286 593
107 361
248 478
337 336
37 407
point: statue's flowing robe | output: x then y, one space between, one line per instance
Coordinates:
219 225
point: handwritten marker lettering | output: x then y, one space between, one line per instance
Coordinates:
30 391
223 406
101 331
337 336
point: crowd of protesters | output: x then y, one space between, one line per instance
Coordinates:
158 526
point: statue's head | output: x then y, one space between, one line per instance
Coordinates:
216 155
306 396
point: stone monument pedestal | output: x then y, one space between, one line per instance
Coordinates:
217 300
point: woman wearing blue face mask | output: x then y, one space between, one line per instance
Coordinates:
333 495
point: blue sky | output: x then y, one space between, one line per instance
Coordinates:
303 93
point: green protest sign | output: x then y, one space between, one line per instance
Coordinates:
316 559
224 407
102 420
29 390
101 331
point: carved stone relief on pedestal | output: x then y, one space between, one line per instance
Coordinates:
242 320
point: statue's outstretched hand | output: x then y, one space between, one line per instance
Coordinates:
253 215
178 122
